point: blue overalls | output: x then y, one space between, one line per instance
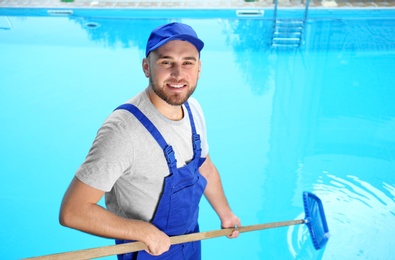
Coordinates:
178 207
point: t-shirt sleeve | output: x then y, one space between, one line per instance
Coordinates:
109 157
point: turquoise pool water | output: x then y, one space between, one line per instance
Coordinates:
319 118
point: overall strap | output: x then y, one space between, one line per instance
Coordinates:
167 149
190 117
195 136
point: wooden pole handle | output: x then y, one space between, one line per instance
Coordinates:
137 246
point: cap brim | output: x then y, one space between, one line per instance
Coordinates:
184 37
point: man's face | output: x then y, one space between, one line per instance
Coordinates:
173 70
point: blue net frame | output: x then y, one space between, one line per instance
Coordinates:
315 220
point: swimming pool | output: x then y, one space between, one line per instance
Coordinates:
280 121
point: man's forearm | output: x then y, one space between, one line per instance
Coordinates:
214 191
94 219
80 211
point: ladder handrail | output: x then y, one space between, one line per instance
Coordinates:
306 10
275 10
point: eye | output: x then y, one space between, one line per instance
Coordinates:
166 63
188 63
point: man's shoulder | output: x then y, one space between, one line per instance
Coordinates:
193 100
195 105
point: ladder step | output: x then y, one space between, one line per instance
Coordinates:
284 31
287 34
289 28
286 40
290 22
285 45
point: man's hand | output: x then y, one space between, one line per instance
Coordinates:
231 221
157 242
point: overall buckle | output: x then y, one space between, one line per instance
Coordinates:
170 156
196 142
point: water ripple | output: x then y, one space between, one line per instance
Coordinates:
361 219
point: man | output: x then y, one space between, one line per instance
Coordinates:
150 158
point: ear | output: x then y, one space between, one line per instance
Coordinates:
145 66
200 66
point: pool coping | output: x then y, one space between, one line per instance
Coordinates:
214 4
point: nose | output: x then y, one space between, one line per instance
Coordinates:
177 71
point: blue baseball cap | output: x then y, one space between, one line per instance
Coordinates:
172 31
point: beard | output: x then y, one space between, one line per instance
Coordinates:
174 99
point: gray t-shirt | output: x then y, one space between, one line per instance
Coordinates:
128 164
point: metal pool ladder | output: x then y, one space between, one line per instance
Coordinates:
288 32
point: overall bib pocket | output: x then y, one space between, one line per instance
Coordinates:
184 203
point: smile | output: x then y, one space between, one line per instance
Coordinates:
176 85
